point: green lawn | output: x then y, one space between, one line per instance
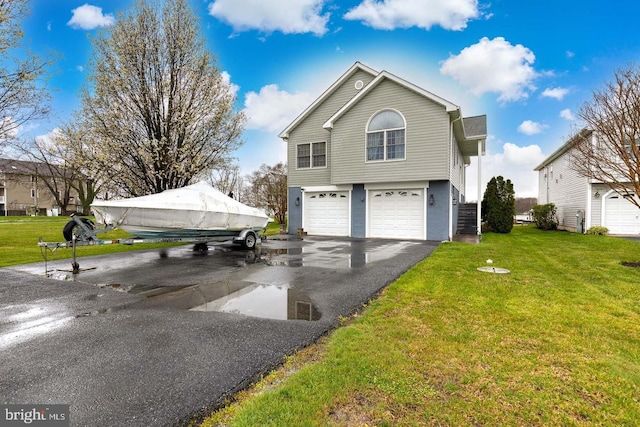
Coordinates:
555 342
19 236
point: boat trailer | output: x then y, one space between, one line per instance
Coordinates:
81 231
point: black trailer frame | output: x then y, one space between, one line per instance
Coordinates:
82 232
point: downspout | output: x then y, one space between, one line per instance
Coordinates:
546 183
450 162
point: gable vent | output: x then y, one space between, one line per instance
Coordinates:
359 84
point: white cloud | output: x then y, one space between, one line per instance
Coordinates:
494 66
47 142
272 109
567 115
226 78
392 14
87 17
9 129
79 68
556 92
514 162
529 127
289 17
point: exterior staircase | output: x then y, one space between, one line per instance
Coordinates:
467 230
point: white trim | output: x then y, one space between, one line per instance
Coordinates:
479 201
384 131
396 185
451 187
346 187
450 107
587 214
326 155
351 71
603 205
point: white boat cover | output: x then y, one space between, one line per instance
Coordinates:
194 207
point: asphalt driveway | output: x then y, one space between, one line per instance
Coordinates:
159 337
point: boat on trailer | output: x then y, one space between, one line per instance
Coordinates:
194 211
197 213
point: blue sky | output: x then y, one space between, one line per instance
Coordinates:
527 65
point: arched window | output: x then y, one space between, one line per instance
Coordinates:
385 136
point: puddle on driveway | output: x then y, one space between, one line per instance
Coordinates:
247 298
262 283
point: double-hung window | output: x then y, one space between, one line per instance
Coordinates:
312 155
385 137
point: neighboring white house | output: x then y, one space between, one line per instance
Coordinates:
377 156
581 202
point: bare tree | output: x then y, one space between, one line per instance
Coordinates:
47 164
70 145
22 93
607 150
157 109
226 180
268 189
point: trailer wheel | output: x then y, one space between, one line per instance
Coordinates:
72 228
250 240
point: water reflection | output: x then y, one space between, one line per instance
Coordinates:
247 298
266 301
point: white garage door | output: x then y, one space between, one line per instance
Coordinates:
397 214
326 213
621 216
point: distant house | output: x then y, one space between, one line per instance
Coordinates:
23 190
580 201
377 156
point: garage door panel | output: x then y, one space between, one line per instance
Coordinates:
327 213
621 215
396 214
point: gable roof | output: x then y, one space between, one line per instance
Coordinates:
327 93
475 126
584 133
13 166
468 130
26 167
450 107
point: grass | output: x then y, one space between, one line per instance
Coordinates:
555 342
19 237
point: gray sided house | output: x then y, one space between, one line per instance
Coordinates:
377 156
580 201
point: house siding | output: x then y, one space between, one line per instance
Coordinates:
358 211
597 217
438 213
426 139
295 212
456 166
311 130
565 188
16 194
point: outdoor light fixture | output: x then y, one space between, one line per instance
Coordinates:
597 195
455 201
432 200
297 201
